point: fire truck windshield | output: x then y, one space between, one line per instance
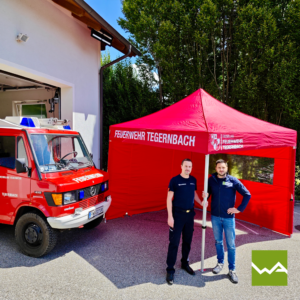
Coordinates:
60 152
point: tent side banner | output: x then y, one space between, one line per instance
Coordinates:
228 142
177 140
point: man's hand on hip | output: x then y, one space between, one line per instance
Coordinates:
171 222
232 210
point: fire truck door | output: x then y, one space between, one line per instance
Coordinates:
14 187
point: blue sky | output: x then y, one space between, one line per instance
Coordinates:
110 11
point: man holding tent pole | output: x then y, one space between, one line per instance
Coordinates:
222 188
181 217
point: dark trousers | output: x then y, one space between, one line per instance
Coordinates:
183 223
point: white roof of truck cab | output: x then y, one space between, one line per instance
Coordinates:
6 124
33 122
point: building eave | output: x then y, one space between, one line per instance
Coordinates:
84 13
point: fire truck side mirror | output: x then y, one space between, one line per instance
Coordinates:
21 165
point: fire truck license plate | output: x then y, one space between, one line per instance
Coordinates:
95 212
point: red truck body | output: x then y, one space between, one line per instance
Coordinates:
33 191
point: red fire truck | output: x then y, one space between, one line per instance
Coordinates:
48 182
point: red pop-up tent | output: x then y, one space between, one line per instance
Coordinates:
145 153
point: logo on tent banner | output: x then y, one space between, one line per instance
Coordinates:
269 268
225 142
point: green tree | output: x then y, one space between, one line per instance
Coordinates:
244 53
269 70
190 43
127 95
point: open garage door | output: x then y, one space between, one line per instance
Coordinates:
20 96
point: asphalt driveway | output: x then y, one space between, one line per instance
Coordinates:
125 259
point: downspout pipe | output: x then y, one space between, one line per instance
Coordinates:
102 68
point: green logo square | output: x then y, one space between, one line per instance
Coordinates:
269 268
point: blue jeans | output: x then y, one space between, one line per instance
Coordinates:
228 226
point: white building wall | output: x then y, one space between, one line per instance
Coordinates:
61 52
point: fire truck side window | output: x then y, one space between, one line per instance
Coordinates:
7 152
21 152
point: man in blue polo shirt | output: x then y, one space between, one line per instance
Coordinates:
181 217
222 188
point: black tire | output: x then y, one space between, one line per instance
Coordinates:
94 223
34 235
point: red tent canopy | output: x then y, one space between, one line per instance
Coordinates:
145 153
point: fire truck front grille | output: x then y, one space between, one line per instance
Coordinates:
84 204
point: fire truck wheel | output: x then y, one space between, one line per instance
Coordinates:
94 223
34 235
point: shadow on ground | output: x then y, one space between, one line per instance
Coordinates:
132 250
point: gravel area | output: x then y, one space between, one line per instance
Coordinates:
126 259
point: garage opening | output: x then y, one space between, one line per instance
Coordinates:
21 96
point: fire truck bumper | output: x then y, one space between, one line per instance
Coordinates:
80 218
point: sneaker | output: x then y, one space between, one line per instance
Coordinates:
233 277
170 278
218 268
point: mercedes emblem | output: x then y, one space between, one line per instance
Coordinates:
93 191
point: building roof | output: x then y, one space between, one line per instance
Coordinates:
81 11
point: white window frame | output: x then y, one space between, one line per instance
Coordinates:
17 106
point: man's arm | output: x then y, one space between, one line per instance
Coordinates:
198 199
169 209
246 197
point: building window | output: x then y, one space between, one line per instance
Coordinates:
33 110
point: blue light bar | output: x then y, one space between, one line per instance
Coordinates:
81 195
67 127
104 186
27 122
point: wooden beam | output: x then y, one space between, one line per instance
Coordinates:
89 22
118 45
71 7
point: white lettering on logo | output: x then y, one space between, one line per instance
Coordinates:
87 177
192 141
69 208
225 142
132 135
182 184
9 195
157 137
10 177
281 269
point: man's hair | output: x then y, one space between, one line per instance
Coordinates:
221 161
186 159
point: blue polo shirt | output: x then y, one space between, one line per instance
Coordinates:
184 191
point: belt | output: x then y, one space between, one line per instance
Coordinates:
183 210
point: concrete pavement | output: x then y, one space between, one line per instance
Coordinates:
125 259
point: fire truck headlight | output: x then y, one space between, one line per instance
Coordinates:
69 198
57 198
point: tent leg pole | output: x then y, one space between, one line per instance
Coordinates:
204 210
